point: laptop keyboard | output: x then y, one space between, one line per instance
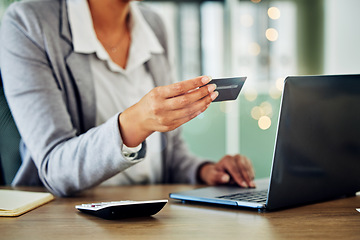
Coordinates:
258 196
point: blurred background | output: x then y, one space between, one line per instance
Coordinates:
264 40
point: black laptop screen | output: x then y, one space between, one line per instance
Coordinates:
318 142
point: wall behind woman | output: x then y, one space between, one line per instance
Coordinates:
342 37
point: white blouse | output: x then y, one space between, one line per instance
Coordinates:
116 88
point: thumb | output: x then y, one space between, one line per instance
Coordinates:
223 178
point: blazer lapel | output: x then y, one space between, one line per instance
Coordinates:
79 67
159 68
64 21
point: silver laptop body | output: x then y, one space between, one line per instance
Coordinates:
317 148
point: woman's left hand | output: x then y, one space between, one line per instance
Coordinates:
230 169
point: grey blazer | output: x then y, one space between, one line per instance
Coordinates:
51 94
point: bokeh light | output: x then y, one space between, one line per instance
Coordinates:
274 13
272 34
250 94
263 114
274 92
257 112
264 122
254 49
267 108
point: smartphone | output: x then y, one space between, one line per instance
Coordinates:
228 88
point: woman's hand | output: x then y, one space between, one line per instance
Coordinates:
230 169
165 108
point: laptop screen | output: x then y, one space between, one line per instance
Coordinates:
318 141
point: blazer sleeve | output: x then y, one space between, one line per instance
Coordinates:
181 165
67 160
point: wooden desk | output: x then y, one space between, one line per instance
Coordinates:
59 219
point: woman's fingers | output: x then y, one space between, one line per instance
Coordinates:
239 168
182 87
204 94
169 113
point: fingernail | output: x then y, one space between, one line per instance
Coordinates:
214 95
225 178
211 87
252 184
244 184
205 79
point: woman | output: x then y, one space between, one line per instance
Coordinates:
90 89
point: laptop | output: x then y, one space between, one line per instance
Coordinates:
317 148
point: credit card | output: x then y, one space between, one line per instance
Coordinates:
228 88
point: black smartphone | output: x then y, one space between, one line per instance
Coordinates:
228 88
